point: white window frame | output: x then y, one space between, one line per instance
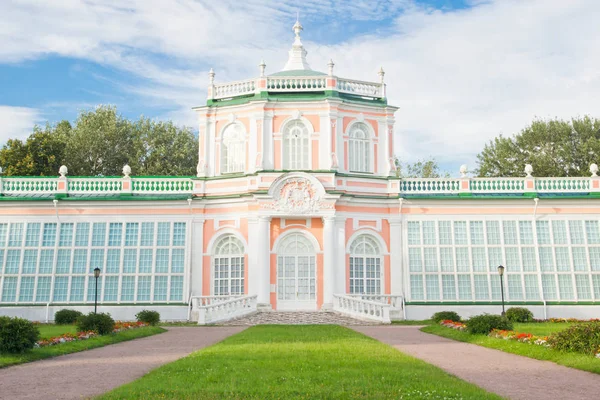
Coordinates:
360 149
223 253
296 145
375 257
233 149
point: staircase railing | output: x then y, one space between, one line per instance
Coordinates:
361 309
213 309
393 300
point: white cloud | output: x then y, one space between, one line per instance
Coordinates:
17 122
460 77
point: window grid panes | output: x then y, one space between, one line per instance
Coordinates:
555 260
53 262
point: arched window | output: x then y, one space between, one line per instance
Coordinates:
228 263
233 149
359 148
296 139
365 266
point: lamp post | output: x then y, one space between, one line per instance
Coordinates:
96 275
501 273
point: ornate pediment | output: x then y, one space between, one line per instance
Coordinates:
297 194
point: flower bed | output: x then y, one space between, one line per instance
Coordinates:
520 337
459 326
71 337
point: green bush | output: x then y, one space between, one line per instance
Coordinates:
483 324
581 338
519 314
442 315
101 323
148 316
66 317
17 335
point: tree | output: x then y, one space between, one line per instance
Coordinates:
552 147
101 142
425 168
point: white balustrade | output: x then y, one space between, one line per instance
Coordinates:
28 186
497 185
162 185
562 185
202 301
296 84
361 309
233 89
393 300
429 185
216 310
94 185
360 88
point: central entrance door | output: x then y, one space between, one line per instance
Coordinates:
296 274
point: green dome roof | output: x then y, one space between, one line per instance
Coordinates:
299 72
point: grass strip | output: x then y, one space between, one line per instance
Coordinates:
573 360
298 362
77 346
48 331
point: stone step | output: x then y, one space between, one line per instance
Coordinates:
296 318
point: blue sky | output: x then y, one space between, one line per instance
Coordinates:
462 72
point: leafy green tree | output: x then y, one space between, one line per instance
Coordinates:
552 147
426 168
101 142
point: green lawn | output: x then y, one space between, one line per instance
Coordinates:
50 330
541 328
73 347
573 360
298 362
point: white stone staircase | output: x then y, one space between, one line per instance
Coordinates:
297 318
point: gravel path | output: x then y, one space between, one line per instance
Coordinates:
93 372
506 374
296 318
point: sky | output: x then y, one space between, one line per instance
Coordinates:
461 71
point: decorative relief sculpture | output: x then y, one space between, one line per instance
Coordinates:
297 195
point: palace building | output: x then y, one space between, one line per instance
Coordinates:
297 206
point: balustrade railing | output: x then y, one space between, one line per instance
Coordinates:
233 89
214 310
162 185
296 84
497 185
94 185
360 88
572 185
429 185
393 300
361 309
27 186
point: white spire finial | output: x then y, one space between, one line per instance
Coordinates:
330 64
262 67
381 74
297 55
211 76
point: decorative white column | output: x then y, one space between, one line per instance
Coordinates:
197 257
254 271
264 262
340 265
395 256
329 262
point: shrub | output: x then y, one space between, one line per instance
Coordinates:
519 314
581 338
101 323
17 335
483 324
443 315
148 316
66 317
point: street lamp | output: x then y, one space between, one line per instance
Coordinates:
96 275
501 273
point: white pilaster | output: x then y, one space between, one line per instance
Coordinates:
340 246
264 261
254 272
324 142
396 256
211 131
329 261
383 149
268 143
252 144
197 245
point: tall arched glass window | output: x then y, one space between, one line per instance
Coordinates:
359 148
296 140
365 266
228 267
233 149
